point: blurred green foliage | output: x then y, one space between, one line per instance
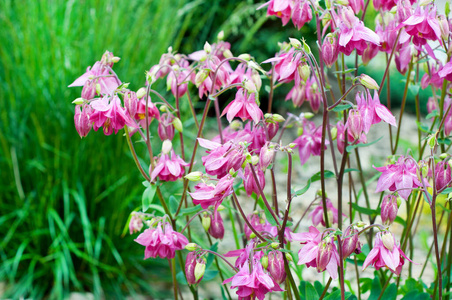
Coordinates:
65 201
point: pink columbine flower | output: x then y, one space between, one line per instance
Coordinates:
353 34
161 241
166 128
423 25
168 168
216 229
100 73
276 266
386 253
442 175
330 49
350 242
446 71
192 263
136 223
317 214
109 114
82 121
249 183
208 194
389 209
372 111
243 106
310 142
317 253
279 8
253 282
401 177
301 13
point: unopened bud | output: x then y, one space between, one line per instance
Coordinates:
245 56
300 131
295 43
306 47
304 71
205 221
220 35
178 124
447 8
308 115
78 101
216 229
200 269
227 53
292 145
276 266
221 208
388 240
389 209
163 108
425 2
324 253
368 82
264 261
166 146
191 246
443 156
200 77
98 89
254 160
141 93
274 245
289 257
432 141
342 2
194 176
207 47
252 235
278 118
115 59
334 133
443 26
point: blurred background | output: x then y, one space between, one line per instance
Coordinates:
64 201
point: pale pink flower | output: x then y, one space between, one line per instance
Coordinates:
168 168
389 209
386 253
243 106
207 195
161 241
372 111
301 13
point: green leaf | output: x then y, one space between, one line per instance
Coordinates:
344 72
173 204
310 292
148 197
314 178
400 221
209 275
390 292
341 107
336 295
432 114
190 210
351 147
364 210
210 257
269 217
444 141
375 290
423 128
351 170
447 191
180 277
414 89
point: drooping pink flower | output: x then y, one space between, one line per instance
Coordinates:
254 283
136 223
423 25
389 209
446 71
350 242
249 183
165 129
193 259
109 114
400 177
82 121
330 49
317 214
207 195
310 142
317 253
168 168
386 253
353 34
356 5
276 266
216 228
243 106
279 8
161 241
301 13
100 73
442 175
372 111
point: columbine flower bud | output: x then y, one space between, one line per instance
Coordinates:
334 133
207 47
324 254
245 56
254 160
368 82
194 176
81 120
389 209
115 59
206 221
431 105
355 123
443 156
200 77
432 141
220 35
264 261
135 224
166 146
295 43
304 71
388 240
178 124
276 266
342 2
191 246
216 229
266 157
227 53
89 90
274 245
165 129
98 89
349 242
141 93
200 269
131 103
278 118
78 101
330 49
443 26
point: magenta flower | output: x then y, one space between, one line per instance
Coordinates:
446 71
353 34
243 106
386 253
136 223
400 177
82 119
301 13
330 49
423 25
279 8
442 175
207 195
168 169
389 209
249 183
372 111
216 229
161 241
109 114
100 73
276 266
317 253
194 260
254 283
310 142
317 214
